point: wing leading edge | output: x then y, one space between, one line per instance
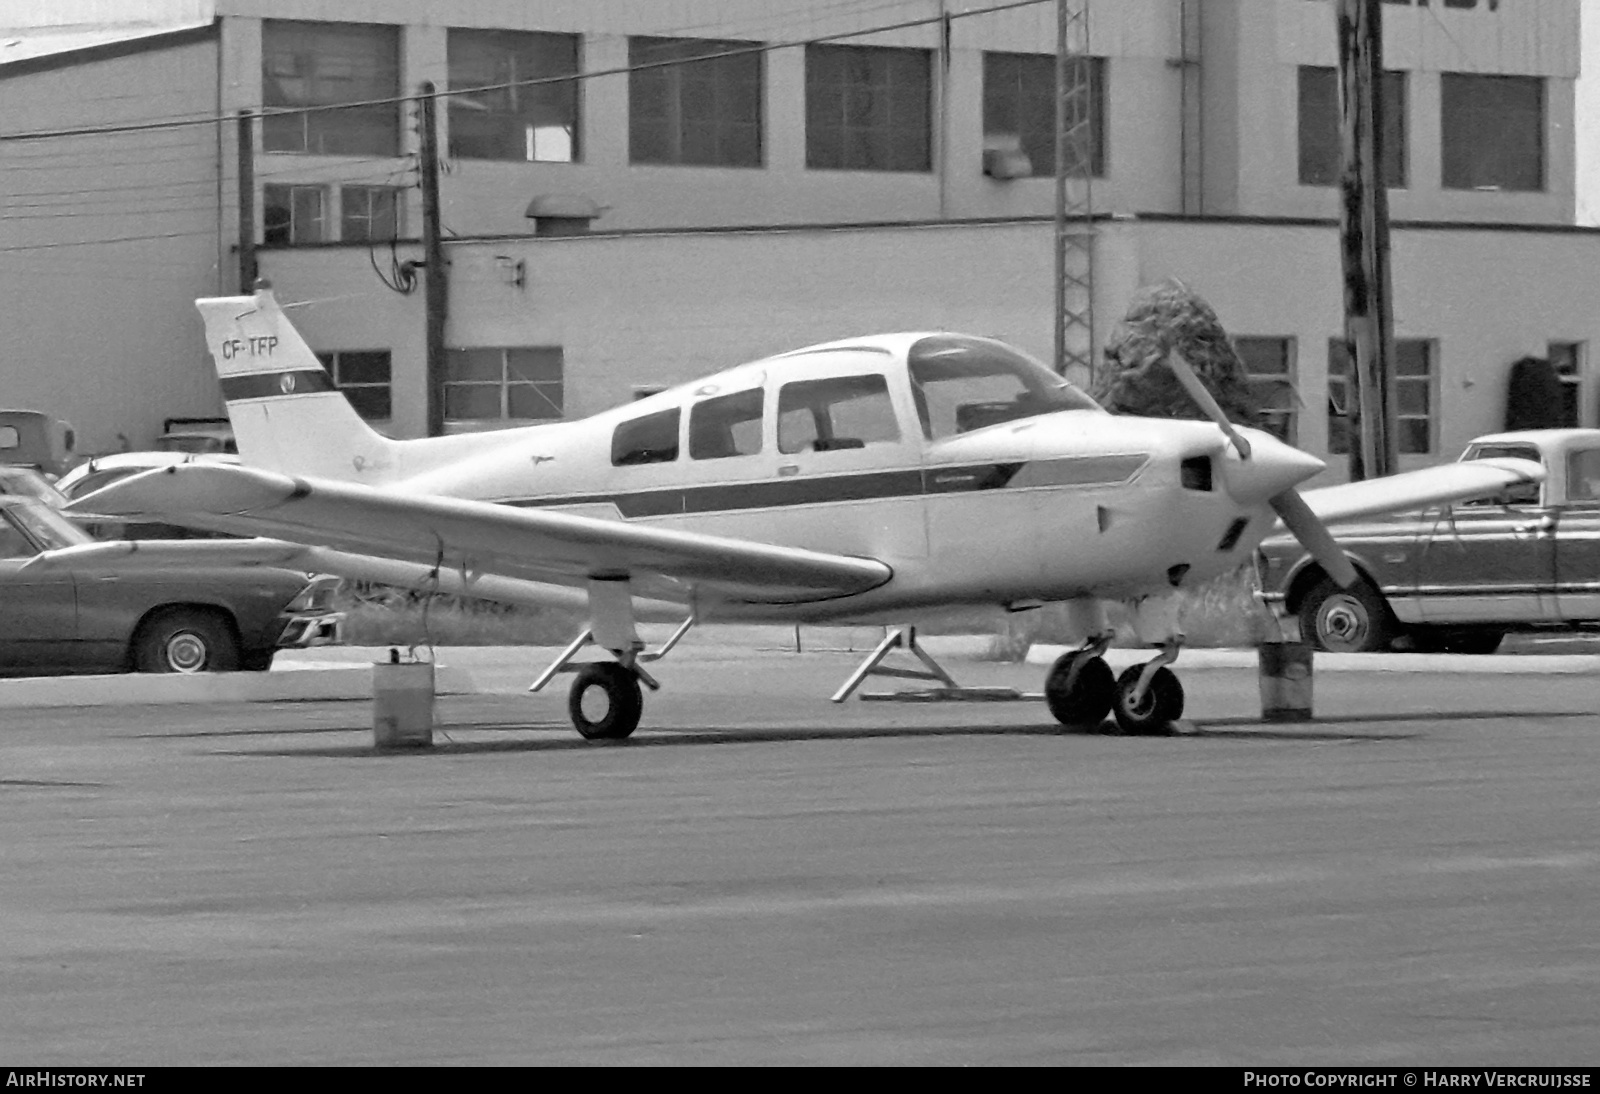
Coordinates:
475 537
1440 485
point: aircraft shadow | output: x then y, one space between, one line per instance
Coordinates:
1316 730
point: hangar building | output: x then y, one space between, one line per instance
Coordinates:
617 215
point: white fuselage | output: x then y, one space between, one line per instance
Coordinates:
1067 504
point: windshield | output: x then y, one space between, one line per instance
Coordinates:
49 528
963 383
30 484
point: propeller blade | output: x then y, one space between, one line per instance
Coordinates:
1314 536
1203 399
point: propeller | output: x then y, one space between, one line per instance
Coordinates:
1291 508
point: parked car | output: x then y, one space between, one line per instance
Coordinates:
1459 577
27 483
70 603
99 471
32 438
197 436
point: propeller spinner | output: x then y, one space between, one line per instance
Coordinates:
1291 508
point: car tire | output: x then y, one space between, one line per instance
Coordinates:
1353 620
186 640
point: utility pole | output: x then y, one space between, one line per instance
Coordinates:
1074 222
1364 238
436 281
247 204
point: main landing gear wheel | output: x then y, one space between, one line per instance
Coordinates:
1087 702
1161 705
605 703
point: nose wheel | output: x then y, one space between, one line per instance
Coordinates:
1152 707
1080 689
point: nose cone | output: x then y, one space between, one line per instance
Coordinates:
1272 468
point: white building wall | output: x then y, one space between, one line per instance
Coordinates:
105 241
662 309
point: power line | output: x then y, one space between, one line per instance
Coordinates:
187 121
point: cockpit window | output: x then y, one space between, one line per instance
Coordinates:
837 413
727 425
962 383
650 439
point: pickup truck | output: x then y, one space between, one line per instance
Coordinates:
1458 577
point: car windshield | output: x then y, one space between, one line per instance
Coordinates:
962 383
46 526
30 484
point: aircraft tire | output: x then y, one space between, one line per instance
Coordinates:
624 702
1162 704
1088 702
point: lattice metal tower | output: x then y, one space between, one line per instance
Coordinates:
1076 140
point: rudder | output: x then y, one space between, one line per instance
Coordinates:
287 415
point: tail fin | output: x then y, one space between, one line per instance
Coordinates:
287 415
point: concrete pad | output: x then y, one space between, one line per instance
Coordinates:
288 680
1477 665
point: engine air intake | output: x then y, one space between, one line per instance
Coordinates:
1195 473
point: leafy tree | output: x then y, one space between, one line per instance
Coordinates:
1135 378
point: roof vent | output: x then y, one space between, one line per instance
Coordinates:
562 214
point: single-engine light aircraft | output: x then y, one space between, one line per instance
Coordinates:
869 480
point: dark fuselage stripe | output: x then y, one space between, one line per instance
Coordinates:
259 385
865 486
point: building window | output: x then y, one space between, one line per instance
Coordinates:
1567 360
867 108
511 384
1413 381
293 214
1019 99
1269 369
363 376
1491 132
1320 151
528 123
703 113
369 213
325 64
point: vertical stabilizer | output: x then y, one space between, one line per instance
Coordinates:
287 415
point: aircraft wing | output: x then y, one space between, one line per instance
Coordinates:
1451 482
480 538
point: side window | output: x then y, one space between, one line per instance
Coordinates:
650 439
1526 493
1583 476
13 544
727 425
840 412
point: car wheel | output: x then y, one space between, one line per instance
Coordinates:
186 640
1353 620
